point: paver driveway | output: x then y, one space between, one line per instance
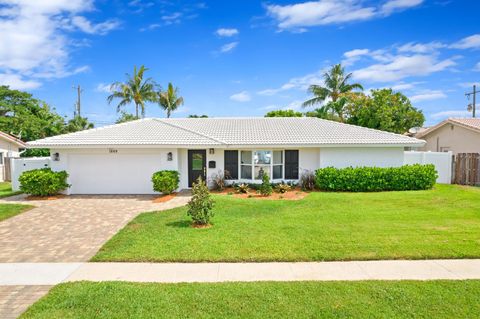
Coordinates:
72 228
68 229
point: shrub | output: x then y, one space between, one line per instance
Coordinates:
375 179
266 188
43 182
201 205
307 180
165 182
242 188
282 188
218 180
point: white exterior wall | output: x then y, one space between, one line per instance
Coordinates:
441 160
7 149
20 165
308 159
341 157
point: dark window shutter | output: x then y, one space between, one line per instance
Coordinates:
291 164
231 164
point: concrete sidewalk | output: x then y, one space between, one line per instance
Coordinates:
54 273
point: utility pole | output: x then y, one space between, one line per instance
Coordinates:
474 95
77 104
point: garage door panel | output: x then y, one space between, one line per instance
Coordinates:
112 174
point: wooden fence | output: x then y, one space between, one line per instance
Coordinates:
467 169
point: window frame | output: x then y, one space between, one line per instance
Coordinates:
252 165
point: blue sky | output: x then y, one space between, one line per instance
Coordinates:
240 58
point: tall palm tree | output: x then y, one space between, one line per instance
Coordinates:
335 87
136 89
169 99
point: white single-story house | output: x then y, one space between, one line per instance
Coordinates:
10 146
121 158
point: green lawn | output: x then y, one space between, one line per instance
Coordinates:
365 299
6 190
10 210
441 223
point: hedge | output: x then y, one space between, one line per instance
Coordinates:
376 179
43 182
165 182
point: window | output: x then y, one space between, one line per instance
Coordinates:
277 165
1 158
262 161
254 164
246 165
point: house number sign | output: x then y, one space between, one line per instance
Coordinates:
113 151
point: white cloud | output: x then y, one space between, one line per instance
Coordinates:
300 83
450 113
471 42
34 42
402 86
402 66
477 67
103 87
173 18
223 32
299 16
243 96
396 5
294 105
100 28
228 47
353 56
428 95
18 83
421 47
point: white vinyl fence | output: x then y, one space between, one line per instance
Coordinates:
441 160
20 165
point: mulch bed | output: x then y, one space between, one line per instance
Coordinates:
52 197
294 194
164 198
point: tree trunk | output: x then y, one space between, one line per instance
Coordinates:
136 110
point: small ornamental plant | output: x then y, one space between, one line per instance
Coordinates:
200 207
266 188
165 182
43 182
282 188
242 188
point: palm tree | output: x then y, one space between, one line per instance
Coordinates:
136 90
169 99
336 87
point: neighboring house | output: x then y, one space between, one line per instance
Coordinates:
459 135
9 147
120 159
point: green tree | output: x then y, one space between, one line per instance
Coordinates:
335 87
169 99
284 113
322 113
135 90
78 123
27 118
125 117
384 110
195 116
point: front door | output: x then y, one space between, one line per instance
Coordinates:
197 165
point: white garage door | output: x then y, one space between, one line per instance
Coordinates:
112 174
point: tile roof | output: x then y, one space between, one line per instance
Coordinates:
471 123
228 131
12 139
